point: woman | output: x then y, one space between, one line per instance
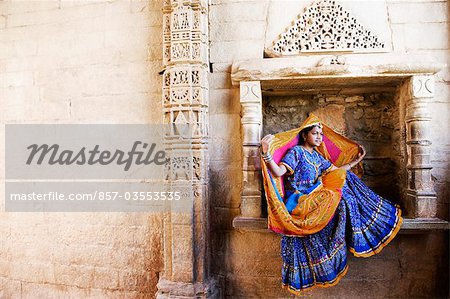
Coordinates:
319 206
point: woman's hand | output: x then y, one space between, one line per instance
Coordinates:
361 154
265 143
277 170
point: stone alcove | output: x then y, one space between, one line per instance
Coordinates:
371 118
404 84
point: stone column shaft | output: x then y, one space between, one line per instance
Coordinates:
421 197
251 104
185 108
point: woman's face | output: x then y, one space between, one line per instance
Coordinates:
314 137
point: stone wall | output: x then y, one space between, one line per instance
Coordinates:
248 264
79 62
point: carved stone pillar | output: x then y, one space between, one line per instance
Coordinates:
185 106
420 197
251 119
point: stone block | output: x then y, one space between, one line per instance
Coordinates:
254 287
334 99
239 11
353 99
16 79
137 6
224 101
119 108
381 269
20 7
225 126
10 288
15 49
36 111
417 12
132 37
372 112
225 186
221 67
236 50
398 38
261 243
333 116
417 36
75 44
219 80
235 31
141 281
74 275
264 266
105 278
55 15
2 21
32 271
222 218
365 104
355 289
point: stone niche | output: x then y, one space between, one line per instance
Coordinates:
379 100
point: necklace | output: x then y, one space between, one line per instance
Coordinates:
315 165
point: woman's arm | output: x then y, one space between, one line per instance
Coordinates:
348 166
277 170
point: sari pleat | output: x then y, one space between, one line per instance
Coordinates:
364 223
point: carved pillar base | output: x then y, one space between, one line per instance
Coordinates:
179 290
420 205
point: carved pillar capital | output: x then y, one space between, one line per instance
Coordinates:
422 86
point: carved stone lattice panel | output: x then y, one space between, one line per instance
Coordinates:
185 99
186 165
187 123
325 26
188 32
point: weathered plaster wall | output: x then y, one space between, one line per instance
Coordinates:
79 62
249 264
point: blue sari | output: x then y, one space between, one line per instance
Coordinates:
363 223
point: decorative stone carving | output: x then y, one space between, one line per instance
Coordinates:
331 60
185 107
325 26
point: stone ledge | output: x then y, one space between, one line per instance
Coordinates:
390 66
417 225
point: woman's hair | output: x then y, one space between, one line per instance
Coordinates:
305 131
